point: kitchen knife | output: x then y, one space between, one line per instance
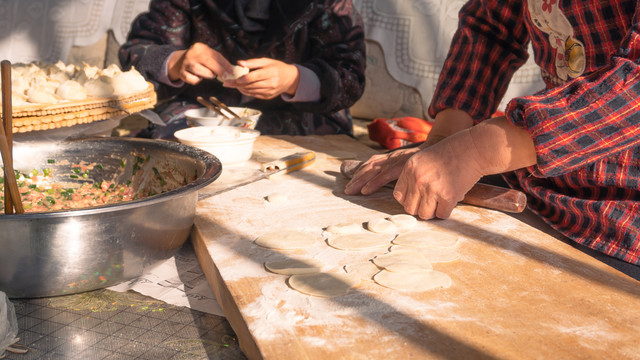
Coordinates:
483 195
281 166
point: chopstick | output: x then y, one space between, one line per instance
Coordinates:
12 197
212 107
219 103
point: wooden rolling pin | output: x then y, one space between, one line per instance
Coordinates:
483 195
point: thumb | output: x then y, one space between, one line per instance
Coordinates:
254 63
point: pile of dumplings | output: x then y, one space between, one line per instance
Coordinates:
38 83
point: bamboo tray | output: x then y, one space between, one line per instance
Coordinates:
68 113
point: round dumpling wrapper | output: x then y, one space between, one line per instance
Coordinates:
322 284
421 280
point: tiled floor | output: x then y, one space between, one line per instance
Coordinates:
109 325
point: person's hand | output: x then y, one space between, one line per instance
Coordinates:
381 169
378 171
267 79
197 63
436 178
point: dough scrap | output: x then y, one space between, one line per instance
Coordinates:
383 226
285 240
403 222
421 280
432 255
344 228
401 257
425 239
363 241
362 270
322 284
293 266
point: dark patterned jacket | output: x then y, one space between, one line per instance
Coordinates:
325 36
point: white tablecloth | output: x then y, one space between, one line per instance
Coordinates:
47 29
415 37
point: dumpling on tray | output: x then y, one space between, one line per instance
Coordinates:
71 90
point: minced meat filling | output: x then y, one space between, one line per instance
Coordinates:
39 192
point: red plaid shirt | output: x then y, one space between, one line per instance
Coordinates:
585 124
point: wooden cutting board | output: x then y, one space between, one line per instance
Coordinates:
517 292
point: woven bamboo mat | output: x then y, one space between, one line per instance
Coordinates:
51 116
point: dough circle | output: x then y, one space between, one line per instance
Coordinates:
285 240
362 270
383 226
321 284
344 228
404 267
403 222
431 255
401 257
361 241
425 239
293 266
421 280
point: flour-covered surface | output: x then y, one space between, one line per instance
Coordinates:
516 292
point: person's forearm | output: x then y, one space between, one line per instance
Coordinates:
502 146
447 123
294 76
173 69
163 75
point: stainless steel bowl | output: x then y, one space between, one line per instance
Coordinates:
65 252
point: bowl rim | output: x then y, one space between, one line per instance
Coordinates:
190 113
253 135
213 169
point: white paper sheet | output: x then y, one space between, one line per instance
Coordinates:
178 281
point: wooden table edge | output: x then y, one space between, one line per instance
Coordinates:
247 343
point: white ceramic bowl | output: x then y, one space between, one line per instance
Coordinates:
231 145
205 117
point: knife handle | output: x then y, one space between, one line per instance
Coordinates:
483 195
290 163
